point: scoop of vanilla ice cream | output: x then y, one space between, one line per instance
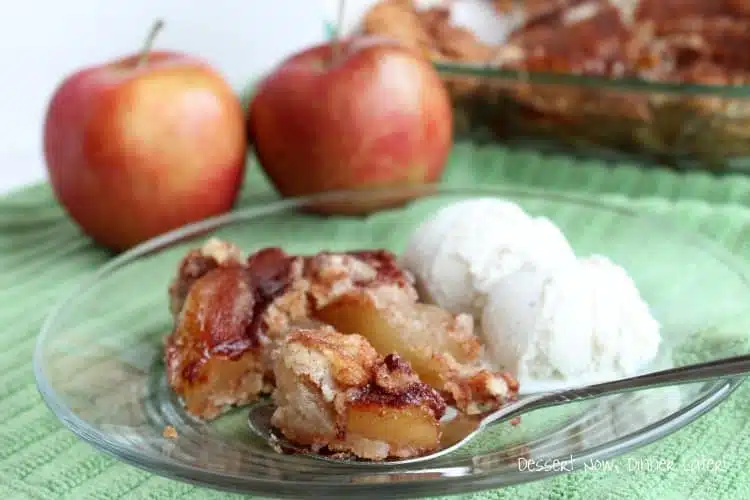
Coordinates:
581 323
459 253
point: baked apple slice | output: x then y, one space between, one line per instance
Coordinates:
335 393
218 354
440 346
213 358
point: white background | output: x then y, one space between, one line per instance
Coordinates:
42 41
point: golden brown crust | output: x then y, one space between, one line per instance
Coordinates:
659 40
739 7
214 253
350 358
481 390
399 20
280 294
333 275
452 42
593 44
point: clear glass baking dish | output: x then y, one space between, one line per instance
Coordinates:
663 81
679 125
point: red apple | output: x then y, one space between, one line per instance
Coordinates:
144 144
359 113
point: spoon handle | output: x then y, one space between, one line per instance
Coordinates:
721 368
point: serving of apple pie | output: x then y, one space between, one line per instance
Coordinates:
340 339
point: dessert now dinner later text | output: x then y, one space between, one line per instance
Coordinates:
632 464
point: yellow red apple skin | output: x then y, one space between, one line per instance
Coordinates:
133 151
378 116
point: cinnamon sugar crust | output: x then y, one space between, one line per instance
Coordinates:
214 253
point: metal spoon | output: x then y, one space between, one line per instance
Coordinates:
458 429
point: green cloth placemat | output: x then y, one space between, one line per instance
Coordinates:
42 255
470 165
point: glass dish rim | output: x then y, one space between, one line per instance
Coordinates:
715 394
625 84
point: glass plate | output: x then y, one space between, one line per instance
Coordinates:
98 360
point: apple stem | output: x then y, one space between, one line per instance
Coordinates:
149 43
336 45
